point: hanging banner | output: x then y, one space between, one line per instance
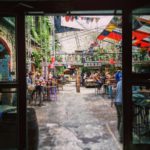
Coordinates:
86 22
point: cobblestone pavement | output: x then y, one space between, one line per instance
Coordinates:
77 121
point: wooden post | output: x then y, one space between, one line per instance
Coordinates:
78 80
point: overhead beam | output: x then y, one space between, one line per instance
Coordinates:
63 6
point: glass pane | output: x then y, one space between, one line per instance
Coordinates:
141 114
141 43
8 118
7 49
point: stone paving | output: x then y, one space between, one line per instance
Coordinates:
77 121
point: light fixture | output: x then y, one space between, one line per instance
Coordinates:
94 12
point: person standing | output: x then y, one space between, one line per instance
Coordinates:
119 108
109 90
30 86
118 74
39 87
29 78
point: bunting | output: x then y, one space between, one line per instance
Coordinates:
142 44
141 32
112 31
85 22
104 34
111 27
138 35
116 36
112 35
87 19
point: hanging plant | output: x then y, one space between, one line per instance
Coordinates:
34 34
40 31
37 56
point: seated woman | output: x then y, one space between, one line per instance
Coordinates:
39 87
98 80
110 83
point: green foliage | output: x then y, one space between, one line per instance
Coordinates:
39 28
60 70
58 58
37 56
34 34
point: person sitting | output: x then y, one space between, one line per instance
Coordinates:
98 80
91 76
30 86
109 90
39 85
29 78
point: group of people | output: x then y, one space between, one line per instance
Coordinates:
36 84
39 83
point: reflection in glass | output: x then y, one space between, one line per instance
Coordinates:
7 49
8 118
141 114
141 43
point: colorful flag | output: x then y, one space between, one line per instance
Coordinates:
114 35
111 27
104 34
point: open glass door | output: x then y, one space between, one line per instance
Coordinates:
136 77
8 83
12 82
141 73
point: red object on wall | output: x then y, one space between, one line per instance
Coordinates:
52 59
112 61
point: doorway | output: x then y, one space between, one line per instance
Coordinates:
127 78
77 48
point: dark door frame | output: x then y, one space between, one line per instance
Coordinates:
62 7
20 83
